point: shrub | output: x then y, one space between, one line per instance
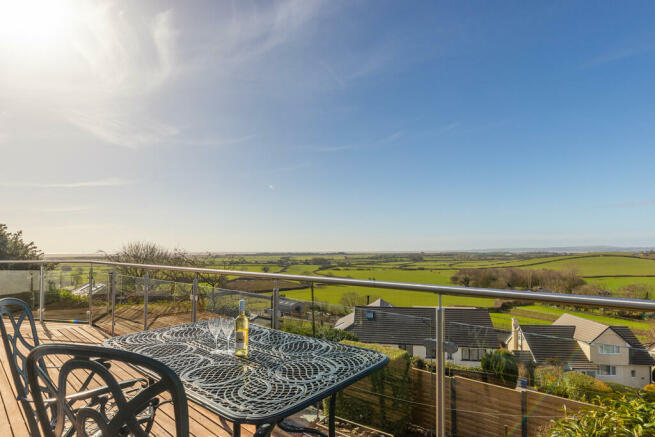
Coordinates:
583 387
503 364
302 327
418 363
548 379
573 385
622 417
648 392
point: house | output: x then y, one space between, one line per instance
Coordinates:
619 355
346 322
608 353
548 344
290 307
413 329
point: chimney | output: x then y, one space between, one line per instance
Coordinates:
368 299
515 334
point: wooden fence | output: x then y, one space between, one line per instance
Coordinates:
475 408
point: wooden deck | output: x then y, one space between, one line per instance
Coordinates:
202 422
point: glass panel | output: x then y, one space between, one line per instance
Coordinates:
169 303
67 294
100 297
21 284
129 311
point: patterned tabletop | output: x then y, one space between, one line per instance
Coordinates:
283 374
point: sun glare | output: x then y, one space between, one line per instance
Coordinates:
34 23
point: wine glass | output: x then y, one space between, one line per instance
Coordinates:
228 329
215 327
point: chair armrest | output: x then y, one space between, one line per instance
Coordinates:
98 391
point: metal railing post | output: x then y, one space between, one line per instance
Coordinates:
91 295
441 376
194 298
41 293
112 290
275 320
146 286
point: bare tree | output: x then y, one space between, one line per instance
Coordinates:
143 252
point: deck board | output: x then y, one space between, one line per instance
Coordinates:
202 422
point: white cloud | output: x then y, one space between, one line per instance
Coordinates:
108 182
122 128
271 187
253 30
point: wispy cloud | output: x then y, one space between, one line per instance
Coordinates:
119 65
447 128
378 142
271 187
218 141
634 204
618 55
333 149
390 138
122 129
108 182
255 29
65 209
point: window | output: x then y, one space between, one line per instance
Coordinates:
472 354
604 370
607 349
370 315
633 373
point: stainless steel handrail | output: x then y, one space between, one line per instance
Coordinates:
571 299
538 296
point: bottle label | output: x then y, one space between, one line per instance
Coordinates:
240 340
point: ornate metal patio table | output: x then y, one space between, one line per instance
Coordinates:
284 373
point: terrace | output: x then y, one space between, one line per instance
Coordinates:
131 298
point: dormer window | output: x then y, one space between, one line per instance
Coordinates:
609 349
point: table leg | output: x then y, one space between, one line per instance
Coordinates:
333 405
236 429
264 430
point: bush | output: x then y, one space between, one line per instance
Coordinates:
548 379
623 417
418 363
573 385
584 387
648 392
326 332
503 364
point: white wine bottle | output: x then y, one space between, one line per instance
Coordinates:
241 329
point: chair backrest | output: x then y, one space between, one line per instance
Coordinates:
16 345
126 417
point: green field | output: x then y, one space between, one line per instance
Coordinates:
504 321
332 294
604 265
550 313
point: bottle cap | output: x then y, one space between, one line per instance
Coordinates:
242 306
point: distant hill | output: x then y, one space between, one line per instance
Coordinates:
565 249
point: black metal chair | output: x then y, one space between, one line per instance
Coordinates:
107 410
17 346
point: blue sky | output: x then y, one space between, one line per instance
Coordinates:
307 125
